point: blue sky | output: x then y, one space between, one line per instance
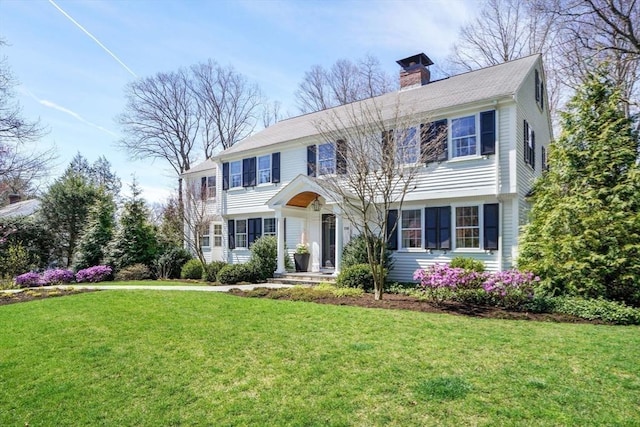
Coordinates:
76 87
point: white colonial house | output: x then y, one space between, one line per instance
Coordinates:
469 200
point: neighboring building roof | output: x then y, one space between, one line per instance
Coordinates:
207 165
24 208
488 83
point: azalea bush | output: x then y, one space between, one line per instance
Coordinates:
29 279
98 273
510 289
57 276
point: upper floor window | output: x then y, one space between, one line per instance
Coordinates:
529 138
235 174
208 187
411 228
463 136
407 145
467 227
264 169
326 159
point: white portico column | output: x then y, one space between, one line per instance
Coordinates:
339 233
280 222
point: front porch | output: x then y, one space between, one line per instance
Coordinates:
320 225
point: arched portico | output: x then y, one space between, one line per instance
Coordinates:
321 219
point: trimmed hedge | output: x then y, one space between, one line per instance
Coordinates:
231 274
192 269
356 276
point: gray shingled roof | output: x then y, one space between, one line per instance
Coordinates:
485 84
203 166
24 208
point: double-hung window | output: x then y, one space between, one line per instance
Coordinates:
326 159
264 169
217 235
529 148
205 241
411 228
235 174
407 145
467 227
269 227
241 233
208 187
463 136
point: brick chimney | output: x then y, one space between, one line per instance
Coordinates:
414 71
14 198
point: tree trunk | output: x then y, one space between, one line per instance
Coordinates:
181 209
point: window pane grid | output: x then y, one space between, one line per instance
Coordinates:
235 174
463 136
467 227
269 227
326 159
407 149
217 235
412 228
264 169
241 233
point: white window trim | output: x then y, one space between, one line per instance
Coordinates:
450 138
275 227
335 159
418 141
401 247
206 232
268 156
231 186
246 234
454 243
215 224
212 187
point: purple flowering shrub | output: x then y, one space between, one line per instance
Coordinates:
509 289
97 273
57 276
28 280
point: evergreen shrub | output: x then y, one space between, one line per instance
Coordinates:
192 269
356 276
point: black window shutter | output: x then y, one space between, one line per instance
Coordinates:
225 176
255 229
542 96
431 227
525 139
311 160
491 221
488 132
275 167
231 228
444 227
392 229
341 157
249 172
203 187
387 146
537 86
436 133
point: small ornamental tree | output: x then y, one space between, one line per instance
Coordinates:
584 234
97 233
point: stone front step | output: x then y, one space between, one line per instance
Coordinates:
303 279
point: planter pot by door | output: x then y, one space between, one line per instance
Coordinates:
301 261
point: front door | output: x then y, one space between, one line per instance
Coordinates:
328 241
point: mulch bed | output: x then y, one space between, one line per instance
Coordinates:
403 302
31 294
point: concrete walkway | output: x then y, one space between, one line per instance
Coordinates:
202 288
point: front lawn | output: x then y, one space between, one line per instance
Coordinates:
183 358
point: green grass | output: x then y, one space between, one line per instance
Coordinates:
180 358
147 283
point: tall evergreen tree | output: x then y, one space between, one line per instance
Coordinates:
584 234
135 238
98 232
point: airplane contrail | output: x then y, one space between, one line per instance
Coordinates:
93 38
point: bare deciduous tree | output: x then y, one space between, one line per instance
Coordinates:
21 166
199 214
161 121
228 104
381 149
343 83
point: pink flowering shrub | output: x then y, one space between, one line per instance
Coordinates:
29 279
57 276
98 273
509 289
